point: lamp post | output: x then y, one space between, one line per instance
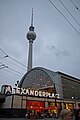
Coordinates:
74 97
55 101
55 96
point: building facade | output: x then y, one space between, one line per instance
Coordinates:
40 89
40 78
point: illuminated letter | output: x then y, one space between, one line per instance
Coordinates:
43 93
31 92
40 93
27 91
47 94
36 93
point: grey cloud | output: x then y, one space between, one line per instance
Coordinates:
62 53
58 52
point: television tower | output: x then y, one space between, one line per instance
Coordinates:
31 36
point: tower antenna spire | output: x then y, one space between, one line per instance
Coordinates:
32 18
31 28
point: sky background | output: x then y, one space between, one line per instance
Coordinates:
57 45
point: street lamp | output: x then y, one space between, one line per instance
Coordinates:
3 66
17 84
74 97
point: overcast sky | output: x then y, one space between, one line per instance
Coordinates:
57 45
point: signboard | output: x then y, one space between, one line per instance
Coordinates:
32 92
7 89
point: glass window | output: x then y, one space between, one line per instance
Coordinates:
71 88
37 79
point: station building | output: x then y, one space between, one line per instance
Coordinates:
43 79
40 89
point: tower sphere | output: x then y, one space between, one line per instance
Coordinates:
31 35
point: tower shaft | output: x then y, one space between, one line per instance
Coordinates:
29 67
31 36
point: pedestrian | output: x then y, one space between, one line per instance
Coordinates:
66 115
77 114
26 115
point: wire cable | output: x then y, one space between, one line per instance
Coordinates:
11 62
17 61
2 64
14 64
15 71
69 12
11 71
10 68
75 6
3 51
6 55
3 67
64 17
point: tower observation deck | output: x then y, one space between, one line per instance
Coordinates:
31 36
